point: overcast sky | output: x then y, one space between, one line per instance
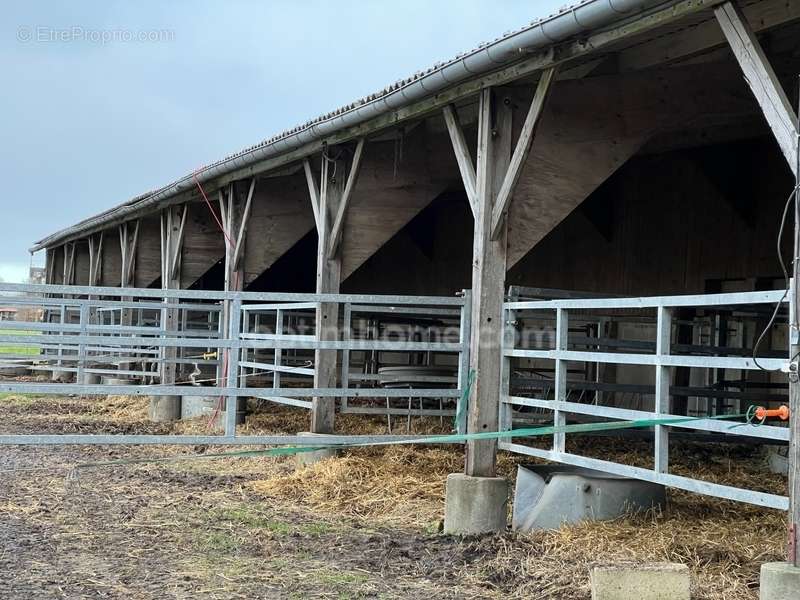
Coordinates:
91 115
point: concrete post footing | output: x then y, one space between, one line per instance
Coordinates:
778 459
780 581
193 407
660 581
304 459
109 380
63 376
475 505
165 408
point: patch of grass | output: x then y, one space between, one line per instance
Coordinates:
280 563
345 584
316 528
251 518
14 349
248 517
330 577
20 350
220 542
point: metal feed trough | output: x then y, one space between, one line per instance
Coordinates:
549 496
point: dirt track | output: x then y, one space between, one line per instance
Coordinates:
146 532
199 530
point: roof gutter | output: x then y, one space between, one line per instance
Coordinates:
585 16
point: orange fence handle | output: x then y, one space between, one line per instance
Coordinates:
781 413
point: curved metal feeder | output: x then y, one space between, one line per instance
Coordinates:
548 496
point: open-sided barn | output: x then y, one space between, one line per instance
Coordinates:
616 150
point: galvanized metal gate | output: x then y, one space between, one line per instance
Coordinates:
151 342
407 356
554 350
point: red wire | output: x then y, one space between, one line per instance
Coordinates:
226 354
211 208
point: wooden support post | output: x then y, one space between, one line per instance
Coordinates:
493 182
128 239
89 316
488 283
173 221
793 553
783 121
761 78
329 273
235 218
794 382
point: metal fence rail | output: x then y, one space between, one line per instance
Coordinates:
125 335
564 354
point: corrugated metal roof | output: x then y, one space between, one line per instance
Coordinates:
620 7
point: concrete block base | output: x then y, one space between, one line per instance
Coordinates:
109 380
664 581
91 379
475 505
203 406
779 581
63 376
304 459
778 459
165 408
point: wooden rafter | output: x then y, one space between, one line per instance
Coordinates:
171 244
128 243
463 157
95 258
69 263
178 245
761 79
237 252
338 224
132 252
521 151
313 191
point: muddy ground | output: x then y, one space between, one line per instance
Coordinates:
207 529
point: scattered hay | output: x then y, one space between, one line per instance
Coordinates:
123 409
397 485
399 490
722 543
